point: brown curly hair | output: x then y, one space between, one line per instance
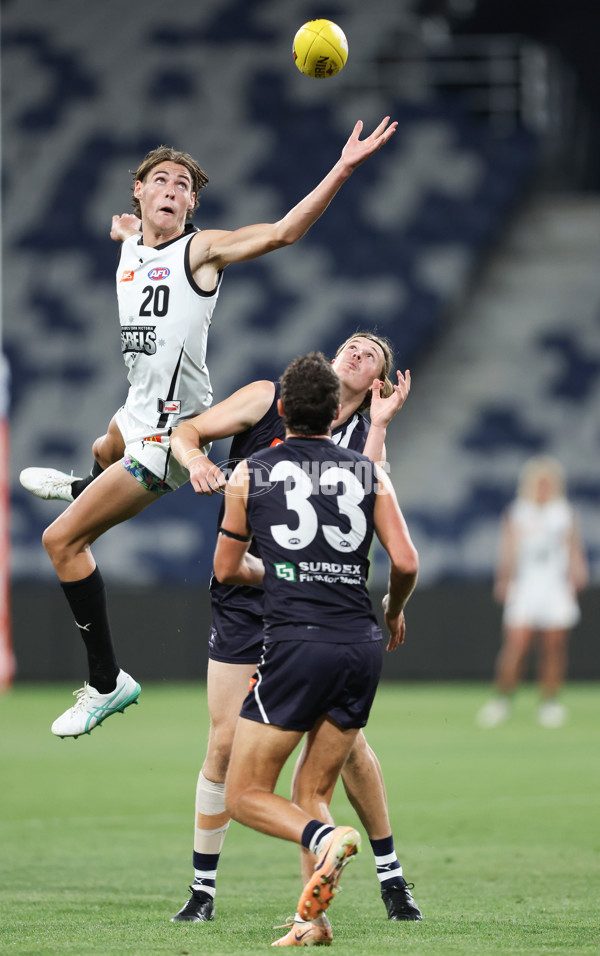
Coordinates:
310 392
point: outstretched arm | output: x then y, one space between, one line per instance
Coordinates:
220 248
230 417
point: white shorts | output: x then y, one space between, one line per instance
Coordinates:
153 452
541 607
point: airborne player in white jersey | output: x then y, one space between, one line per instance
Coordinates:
166 187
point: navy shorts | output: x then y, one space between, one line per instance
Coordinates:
236 635
297 682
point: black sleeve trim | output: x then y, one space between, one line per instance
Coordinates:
190 277
236 537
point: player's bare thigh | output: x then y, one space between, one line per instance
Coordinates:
114 496
258 754
325 752
109 448
227 686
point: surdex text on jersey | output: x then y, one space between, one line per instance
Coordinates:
329 567
139 338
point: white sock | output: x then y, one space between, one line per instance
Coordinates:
321 838
321 920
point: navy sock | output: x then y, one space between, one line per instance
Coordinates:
313 834
205 871
389 870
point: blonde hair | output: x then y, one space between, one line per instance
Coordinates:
541 466
388 360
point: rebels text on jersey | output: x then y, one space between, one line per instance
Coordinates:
164 319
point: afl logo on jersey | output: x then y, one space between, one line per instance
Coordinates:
160 273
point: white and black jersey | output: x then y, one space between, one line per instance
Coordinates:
164 319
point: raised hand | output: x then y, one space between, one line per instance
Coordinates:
124 226
382 410
356 150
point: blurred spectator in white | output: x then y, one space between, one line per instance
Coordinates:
541 568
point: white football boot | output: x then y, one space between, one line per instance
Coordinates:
48 483
494 713
92 708
552 714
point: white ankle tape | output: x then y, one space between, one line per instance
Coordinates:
210 796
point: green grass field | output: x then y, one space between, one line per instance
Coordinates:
499 830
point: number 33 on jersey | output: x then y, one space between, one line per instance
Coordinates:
310 507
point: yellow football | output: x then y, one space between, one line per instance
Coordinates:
320 49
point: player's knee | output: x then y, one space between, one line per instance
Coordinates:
360 750
353 765
308 793
102 452
219 755
234 801
57 541
52 541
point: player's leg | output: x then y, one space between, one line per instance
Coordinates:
50 484
227 685
365 787
323 859
114 497
511 659
107 449
259 752
295 683
235 647
258 755
552 669
312 788
510 663
315 775
352 681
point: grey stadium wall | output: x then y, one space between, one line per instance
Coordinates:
453 633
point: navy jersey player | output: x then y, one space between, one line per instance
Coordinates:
167 285
312 507
363 365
